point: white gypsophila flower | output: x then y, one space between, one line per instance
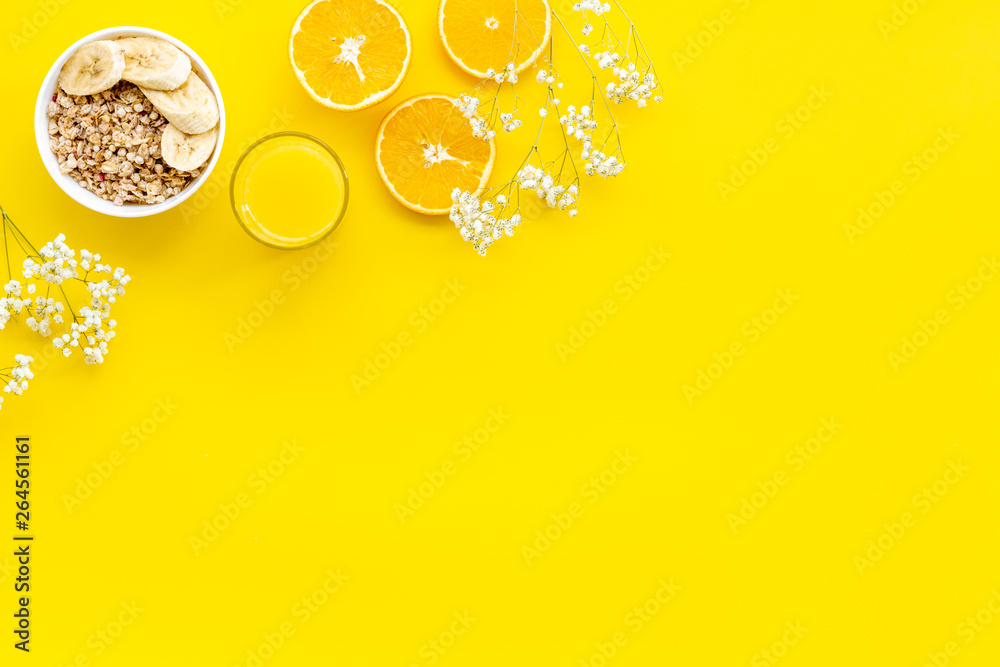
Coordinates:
592 6
587 29
581 126
93 334
468 105
511 73
481 129
476 221
57 263
631 84
607 59
547 77
545 186
19 375
507 74
11 302
93 329
44 312
90 331
509 123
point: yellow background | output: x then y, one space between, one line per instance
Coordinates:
196 274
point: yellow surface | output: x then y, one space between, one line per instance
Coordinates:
286 164
228 349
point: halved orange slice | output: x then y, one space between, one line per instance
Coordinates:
425 149
349 54
481 35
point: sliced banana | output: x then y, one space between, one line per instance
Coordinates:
154 63
187 152
94 67
191 107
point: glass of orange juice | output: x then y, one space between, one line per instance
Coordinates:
289 190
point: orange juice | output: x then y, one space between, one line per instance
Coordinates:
289 190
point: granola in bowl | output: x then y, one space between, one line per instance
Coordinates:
109 143
129 122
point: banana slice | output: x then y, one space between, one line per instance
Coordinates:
187 152
154 63
94 67
191 107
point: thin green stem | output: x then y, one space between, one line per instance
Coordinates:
638 40
6 248
593 74
16 232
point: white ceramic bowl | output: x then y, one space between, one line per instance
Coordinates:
86 197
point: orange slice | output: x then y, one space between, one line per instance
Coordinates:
349 54
425 149
480 35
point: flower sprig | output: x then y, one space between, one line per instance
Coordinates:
591 146
634 77
42 298
485 105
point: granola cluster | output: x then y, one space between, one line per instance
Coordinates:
109 143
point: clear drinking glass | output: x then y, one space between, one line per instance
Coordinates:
289 190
